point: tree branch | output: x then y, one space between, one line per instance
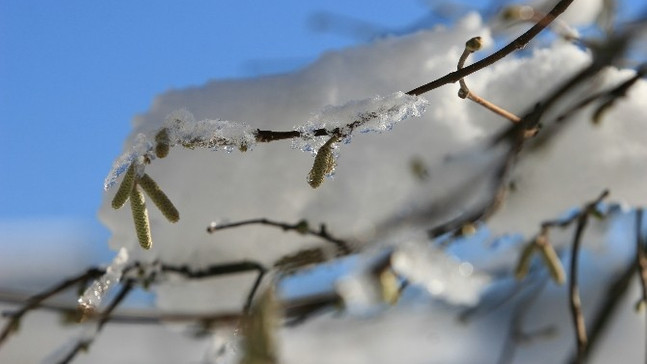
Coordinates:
516 44
301 227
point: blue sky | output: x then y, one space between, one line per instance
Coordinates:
73 73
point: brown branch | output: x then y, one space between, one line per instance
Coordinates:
35 301
641 266
516 44
641 255
489 207
472 46
223 269
608 96
574 296
302 227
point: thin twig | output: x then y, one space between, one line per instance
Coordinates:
641 266
472 46
641 255
574 296
301 227
105 316
35 301
516 44
224 269
608 96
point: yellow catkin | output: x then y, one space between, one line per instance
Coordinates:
259 329
124 189
324 163
554 265
160 199
140 218
390 287
291 263
162 143
523 265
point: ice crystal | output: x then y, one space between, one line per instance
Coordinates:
213 134
140 149
377 114
182 129
93 295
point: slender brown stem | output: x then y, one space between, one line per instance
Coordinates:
223 269
302 227
641 255
465 92
641 266
574 295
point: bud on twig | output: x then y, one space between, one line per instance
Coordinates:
474 44
162 143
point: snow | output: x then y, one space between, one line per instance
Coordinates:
181 128
441 275
374 200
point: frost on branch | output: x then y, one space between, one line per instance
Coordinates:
181 128
377 114
93 295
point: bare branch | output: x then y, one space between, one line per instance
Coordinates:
224 269
302 227
516 44
574 296
35 301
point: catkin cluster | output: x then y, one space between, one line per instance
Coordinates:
133 187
